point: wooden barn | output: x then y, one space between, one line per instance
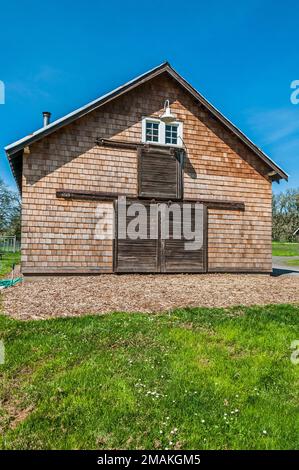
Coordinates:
155 140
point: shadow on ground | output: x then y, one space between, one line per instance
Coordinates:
276 272
281 267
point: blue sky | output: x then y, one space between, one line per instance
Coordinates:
242 56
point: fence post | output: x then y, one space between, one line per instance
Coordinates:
14 244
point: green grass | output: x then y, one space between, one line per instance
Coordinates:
7 261
285 249
222 377
293 262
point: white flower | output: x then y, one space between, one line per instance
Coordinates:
203 421
264 431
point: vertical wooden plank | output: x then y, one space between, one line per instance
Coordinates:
206 238
179 168
183 155
139 170
115 207
159 255
161 242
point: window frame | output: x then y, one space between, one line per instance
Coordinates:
154 121
162 132
173 124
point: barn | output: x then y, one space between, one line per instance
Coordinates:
156 148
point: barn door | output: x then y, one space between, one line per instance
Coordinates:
137 255
178 252
158 254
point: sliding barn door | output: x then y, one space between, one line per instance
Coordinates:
160 254
178 252
136 255
160 173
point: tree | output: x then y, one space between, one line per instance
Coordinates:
285 210
10 211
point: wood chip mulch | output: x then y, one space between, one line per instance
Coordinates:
73 296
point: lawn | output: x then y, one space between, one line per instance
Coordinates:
7 261
285 249
293 262
193 379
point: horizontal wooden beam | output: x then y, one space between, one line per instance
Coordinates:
90 195
121 144
117 144
101 196
225 205
239 270
65 271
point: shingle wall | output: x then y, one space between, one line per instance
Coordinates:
59 235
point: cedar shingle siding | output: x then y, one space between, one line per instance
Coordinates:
58 235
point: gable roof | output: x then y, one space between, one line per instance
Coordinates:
14 150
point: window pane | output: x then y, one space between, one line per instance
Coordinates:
171 134
152 131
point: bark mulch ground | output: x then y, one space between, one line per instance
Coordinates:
73 296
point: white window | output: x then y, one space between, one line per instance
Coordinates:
171 134
157 132
152 131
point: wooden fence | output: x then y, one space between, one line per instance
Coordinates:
9 244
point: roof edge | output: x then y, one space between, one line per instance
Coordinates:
79 112
230 125
15 147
